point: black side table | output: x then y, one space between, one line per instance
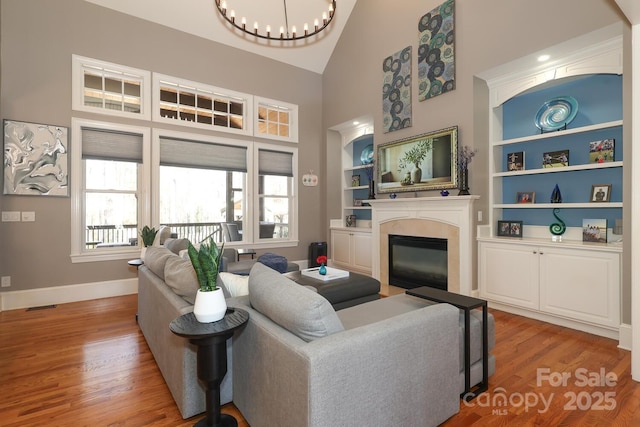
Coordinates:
466 304
211 338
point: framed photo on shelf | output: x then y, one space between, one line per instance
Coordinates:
357 202
515 161
355 180
600 193
526 197
555 159
594 230
602 151
510 228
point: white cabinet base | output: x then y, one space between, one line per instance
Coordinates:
351 250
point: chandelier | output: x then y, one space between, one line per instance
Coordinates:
285 32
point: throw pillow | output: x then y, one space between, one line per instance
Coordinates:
233 285
180 276
176 245
156 257
302 312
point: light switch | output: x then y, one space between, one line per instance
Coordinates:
28 216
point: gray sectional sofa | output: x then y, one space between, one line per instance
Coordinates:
298 362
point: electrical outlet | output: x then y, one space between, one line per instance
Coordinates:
6 281
28 216
10 216
479 216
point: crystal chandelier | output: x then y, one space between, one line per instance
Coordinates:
285 32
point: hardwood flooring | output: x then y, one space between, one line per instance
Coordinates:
87 364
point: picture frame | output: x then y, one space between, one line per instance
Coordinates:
355 180
35 159
600 193
594 230
515 161
526 197
555 159
418 163
509 228
357 202
602 151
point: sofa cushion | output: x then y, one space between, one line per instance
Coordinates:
176 245
233 285
302 312
156 257
181 278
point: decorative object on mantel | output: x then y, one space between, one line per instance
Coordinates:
556 197
210 305
557 229
436 59
397 162
285 32
393 195
444 193
396 91
35 159
322 260
465 155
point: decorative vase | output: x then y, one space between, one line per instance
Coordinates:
464 182
416 174
372 189
557 229
556 197
209 306
322 270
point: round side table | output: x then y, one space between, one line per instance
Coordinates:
210 340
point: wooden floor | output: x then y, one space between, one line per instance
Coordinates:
87 364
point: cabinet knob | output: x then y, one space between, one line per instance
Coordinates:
541 253
535 252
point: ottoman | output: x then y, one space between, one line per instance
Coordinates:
342 293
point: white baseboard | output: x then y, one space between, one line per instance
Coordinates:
70 293
626 338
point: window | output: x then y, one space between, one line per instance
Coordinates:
199 105
275 207
202 185
276 120
107 190
110 88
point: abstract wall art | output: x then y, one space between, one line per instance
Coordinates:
35 159
396 91
436 59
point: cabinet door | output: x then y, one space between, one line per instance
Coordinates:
340 247
361 250
581 285
509 273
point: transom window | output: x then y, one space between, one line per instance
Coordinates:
276 120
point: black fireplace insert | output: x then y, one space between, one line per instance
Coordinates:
418 261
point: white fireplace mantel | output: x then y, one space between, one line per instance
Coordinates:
443 213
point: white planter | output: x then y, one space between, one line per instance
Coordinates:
210 306
143 252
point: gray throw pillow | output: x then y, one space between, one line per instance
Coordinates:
301 311
156 257
180 276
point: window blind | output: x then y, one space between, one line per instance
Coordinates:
275 163
197 154
100 144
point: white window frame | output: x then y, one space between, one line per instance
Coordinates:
245 99
79 253
81 63
292 109
293 199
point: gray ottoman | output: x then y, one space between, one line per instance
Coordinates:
342 293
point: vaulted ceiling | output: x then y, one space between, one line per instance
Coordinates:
201 18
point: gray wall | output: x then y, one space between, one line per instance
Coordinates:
489 33
37 40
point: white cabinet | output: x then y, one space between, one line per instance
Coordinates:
580 284
351 250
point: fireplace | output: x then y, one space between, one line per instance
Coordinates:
418 261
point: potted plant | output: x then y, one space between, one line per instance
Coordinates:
414 156
148 235
210 305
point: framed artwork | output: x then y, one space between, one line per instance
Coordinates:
602 151
355 180
436 52
418 163
510 228
357 202
594 230
396 91
555 159
515 161
600 193
35 159
526 197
